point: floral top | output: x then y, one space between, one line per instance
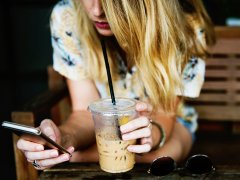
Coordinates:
68 61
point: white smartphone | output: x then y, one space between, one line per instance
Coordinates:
33 134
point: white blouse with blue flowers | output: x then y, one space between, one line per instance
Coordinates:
68 61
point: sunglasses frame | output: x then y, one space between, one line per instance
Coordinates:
186 169
193 157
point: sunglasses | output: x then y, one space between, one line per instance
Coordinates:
198 164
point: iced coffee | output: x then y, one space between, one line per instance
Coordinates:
113 154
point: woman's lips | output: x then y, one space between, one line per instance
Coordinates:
102 25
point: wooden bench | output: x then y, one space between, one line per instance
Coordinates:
220 96
219 103
219 100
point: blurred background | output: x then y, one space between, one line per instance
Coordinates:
25 52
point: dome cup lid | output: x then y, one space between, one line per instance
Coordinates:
124 106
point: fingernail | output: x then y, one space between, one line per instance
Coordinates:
54 153
40 148
71 149
125 137
65 157
130 148
140 106
123 129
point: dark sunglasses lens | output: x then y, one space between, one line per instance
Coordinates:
199 164
162 166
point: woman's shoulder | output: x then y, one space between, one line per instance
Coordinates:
63 4
193 77
67 51
63 13
63 26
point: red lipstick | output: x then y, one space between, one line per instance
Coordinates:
102 25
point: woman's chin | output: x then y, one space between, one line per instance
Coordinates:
105 32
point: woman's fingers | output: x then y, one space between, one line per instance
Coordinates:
146 140
35 153
25 145
71 149
46 154
135 124
144 146
139 128
41 154
140 133
47 163
48 158
144 109
144 134
37 166
50 129
142 106
53 161
139 148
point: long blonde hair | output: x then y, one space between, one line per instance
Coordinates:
197 16
153 35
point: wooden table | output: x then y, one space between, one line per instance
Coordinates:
71 171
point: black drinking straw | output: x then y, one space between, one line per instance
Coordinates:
108 71
110 84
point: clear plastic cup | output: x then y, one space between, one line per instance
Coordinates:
113 154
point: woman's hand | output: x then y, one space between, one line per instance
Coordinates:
36 154
139 128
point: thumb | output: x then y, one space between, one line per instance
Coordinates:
143 107
48 128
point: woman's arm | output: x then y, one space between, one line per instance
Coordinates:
178 141
178 138
166 121
177 147
78 130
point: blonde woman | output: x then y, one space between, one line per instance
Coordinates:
153 49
